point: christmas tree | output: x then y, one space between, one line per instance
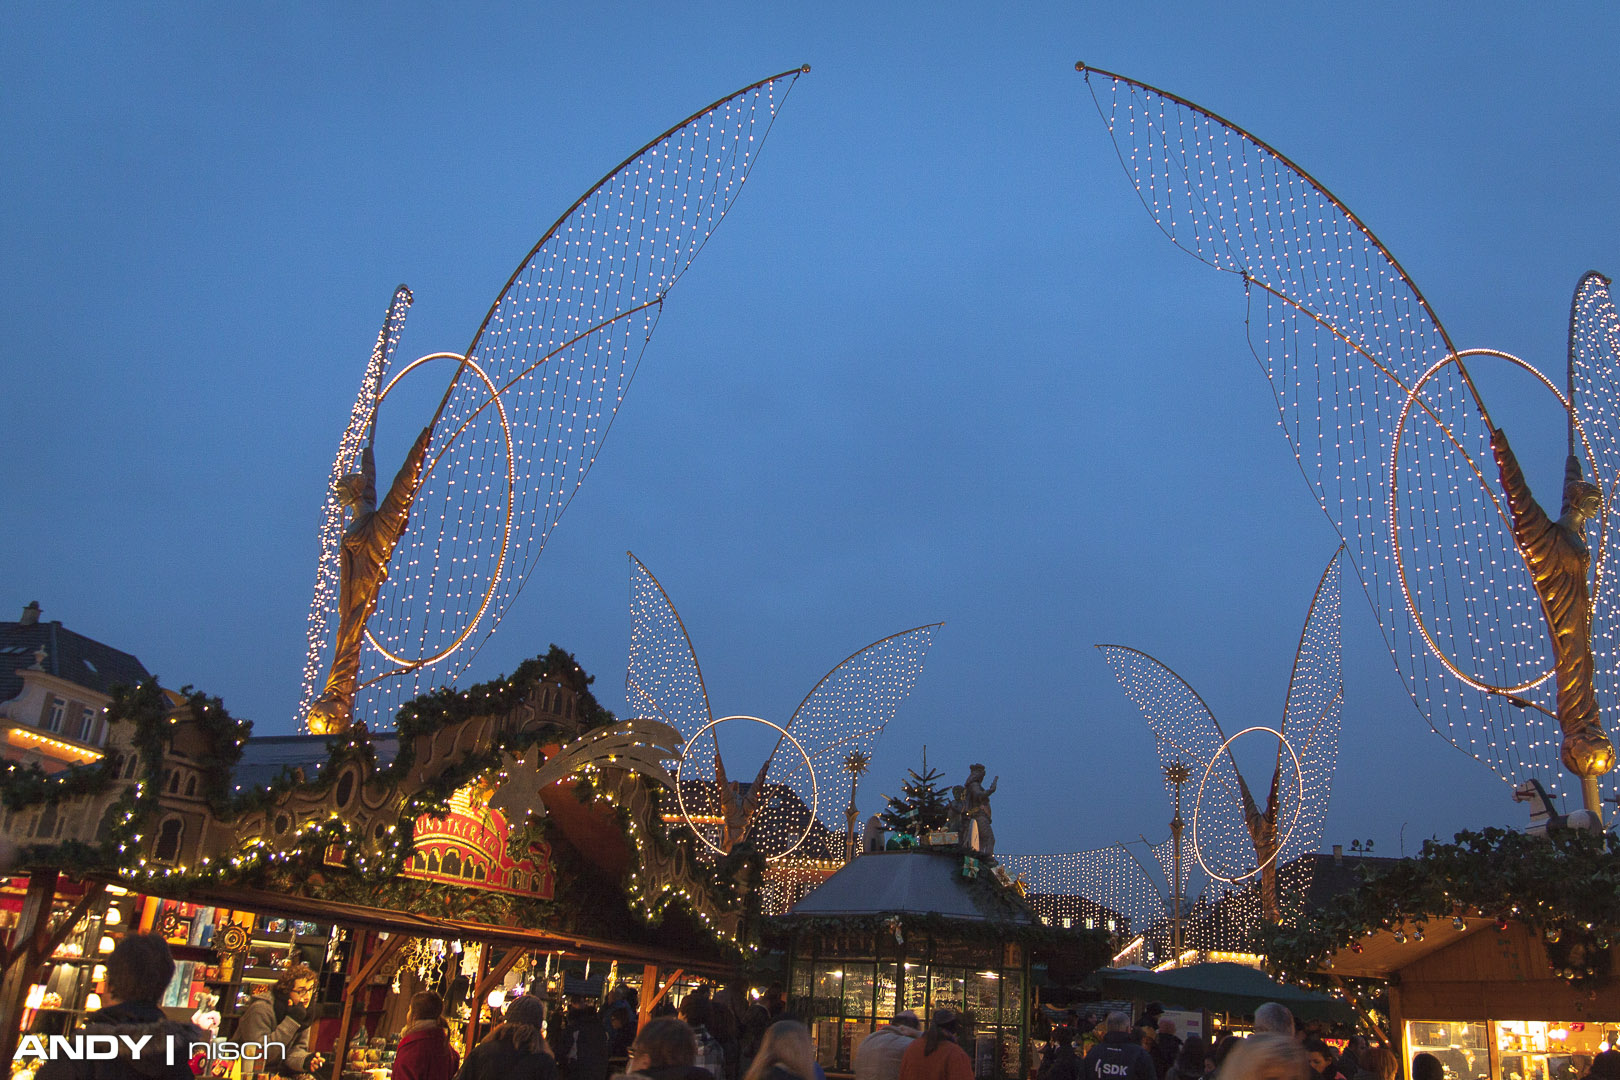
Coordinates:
921 808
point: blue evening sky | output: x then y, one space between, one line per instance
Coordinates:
938 364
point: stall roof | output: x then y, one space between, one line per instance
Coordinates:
1380 955
359 916
1221 987
906 883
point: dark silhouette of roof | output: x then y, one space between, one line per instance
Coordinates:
80 660
910 883
266 757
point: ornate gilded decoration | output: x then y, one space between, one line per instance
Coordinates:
368 544
1560 563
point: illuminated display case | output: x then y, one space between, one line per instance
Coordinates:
1512 1049
848 985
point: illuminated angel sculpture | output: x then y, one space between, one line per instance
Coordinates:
1502 624
407 594
1234 838
809 774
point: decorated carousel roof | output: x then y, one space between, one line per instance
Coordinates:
913 883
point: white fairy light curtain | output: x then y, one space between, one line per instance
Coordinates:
1384 420
819 753
1217 805
529 402
1099 888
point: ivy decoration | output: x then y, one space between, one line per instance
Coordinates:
1563 886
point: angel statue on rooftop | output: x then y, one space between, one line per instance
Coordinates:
367 545
981 839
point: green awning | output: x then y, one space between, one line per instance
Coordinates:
1223 988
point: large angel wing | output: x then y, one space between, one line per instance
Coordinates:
537 388
1188 734
323 605
837 725
662 680
1346 339
1311 725
1594 366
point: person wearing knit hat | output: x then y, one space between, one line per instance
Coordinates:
878 1056
936 1056
515 1049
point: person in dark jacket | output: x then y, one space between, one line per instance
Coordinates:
1191 1061
1065 1064
424 1051
666 1049
1166 1047
281 1019
515 1049
1119 1056
761 1015
138 972
587 1044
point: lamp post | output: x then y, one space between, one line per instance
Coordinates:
855 764
1176 774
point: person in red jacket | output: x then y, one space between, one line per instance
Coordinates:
424 1051
936 1056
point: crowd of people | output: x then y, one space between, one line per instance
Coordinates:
1277 1049
717 1035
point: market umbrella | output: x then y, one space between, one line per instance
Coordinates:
1220 987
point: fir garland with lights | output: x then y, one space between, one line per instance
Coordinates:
303 863
1563 886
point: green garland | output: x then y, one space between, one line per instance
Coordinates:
367 878
1094 947
1564 886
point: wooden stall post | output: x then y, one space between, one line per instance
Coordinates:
650 997
486 981
27 941
649 983
36 939
357 984
1366 1019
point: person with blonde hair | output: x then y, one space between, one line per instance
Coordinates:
785 1053
1266 1056
1379 1064
666 1049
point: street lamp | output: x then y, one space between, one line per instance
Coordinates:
1176 774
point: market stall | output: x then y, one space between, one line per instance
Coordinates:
507 838
1485 996
919 929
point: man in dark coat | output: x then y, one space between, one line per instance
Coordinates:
150 1045
1119 1056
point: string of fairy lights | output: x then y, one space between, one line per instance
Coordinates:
323 606
531 401
1346 339
1594 359
821 751
1219 882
